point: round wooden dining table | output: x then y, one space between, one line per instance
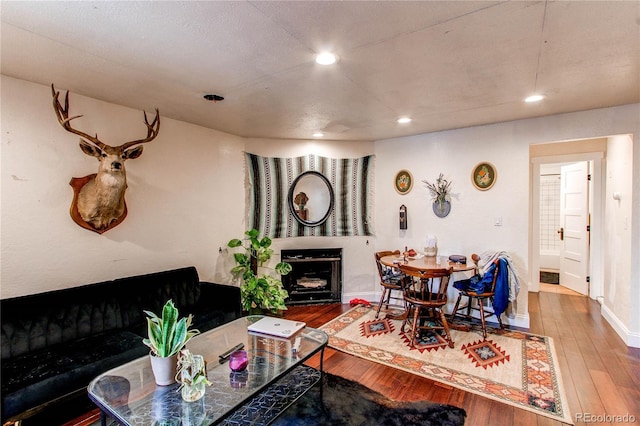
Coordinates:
426 263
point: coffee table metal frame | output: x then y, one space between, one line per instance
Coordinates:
275 377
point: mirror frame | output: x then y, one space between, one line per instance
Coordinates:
292 207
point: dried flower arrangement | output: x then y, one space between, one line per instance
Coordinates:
439 190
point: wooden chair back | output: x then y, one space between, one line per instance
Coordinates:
495 276
381 268
428 286
488 294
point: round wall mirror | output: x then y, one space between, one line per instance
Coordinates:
311 198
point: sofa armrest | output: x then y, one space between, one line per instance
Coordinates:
223 297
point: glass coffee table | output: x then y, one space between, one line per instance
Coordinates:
274 379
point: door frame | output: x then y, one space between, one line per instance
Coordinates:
596 247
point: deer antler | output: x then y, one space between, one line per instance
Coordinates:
65 121
152 131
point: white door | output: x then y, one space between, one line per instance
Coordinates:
574 219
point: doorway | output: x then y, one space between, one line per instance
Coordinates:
543 159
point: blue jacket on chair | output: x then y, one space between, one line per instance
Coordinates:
501 298
480 284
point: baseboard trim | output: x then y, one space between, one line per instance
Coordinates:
372 297
520 320
630 338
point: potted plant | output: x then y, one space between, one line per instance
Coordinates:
258 292
167 335
192 375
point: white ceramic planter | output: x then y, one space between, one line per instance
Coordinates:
164 369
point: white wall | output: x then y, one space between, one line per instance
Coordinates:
470 225
618 294
469 228
185 195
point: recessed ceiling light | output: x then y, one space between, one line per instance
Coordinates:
318 134
326 58
403 120
534 98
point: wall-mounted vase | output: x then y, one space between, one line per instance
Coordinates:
441 208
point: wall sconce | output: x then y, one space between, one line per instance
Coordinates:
403 217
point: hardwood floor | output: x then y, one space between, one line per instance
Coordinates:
601 374
557 288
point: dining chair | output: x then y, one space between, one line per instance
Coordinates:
426 295
390 281
482 292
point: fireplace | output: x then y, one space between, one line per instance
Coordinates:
315 277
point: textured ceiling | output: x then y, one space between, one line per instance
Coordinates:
446 64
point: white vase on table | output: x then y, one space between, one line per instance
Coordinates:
164 369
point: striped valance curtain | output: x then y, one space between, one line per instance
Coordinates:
269 180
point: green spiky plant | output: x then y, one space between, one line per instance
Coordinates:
168 334
258 292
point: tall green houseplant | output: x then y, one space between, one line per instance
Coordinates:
258 292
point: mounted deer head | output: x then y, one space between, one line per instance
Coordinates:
98 202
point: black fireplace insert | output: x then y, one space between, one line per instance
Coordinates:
315 277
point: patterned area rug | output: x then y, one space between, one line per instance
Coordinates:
512 367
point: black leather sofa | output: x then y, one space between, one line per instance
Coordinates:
55 343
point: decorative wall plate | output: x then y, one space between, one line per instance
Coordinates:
483 176
403 182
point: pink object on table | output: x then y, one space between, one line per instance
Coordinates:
238 360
